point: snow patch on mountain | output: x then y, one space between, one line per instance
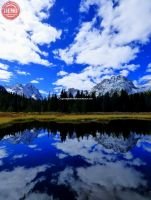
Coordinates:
115 84
28 90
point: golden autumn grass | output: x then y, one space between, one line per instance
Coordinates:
7 119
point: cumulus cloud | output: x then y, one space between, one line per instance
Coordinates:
91 76
124 73
43 92
145 143
93 149
62 73
40 196
40 79
34 81
16 186
82 80
5 75
37 80
148 68
3 66
3 153
113 37
111 43
145 78
21 39
114 178
145 81
110 174
23 73
123 21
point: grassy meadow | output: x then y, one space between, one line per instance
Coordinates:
7 119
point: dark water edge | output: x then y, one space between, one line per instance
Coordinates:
83 161
117 127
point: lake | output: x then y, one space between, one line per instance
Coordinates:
88 161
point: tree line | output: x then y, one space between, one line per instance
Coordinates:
72 130
82 102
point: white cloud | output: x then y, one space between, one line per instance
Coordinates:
21 39
57 90
3 66
82 80
116 40
130 67
40 79
145 81
5 75
40 196
125 19
148 68
62 10
111 145
20 156
124 73
34 81
61 155
44 92
37 80
102 181
16 186
23 73
145 78
34 146
106 174
3 153
112 175
62 73
145 143
91 76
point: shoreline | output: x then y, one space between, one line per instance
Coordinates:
8 119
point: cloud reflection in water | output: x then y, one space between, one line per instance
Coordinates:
38 165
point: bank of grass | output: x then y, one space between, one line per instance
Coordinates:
7 119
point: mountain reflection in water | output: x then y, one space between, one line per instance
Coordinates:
93 161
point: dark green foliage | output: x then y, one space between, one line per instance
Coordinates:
140 102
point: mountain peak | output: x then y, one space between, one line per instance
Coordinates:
31 91
115 84
28 90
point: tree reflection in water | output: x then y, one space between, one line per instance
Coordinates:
76 161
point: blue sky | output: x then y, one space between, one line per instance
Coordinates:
76 43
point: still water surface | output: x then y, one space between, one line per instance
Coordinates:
67 162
